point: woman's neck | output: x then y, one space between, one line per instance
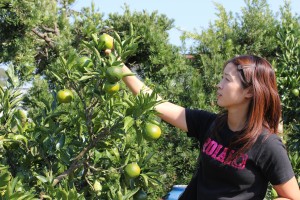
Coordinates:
236 120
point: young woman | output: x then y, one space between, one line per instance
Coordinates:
240 152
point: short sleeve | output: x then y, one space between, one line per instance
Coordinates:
198 122
274 161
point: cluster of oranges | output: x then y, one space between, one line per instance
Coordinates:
114 74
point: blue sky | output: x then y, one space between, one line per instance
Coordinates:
189 15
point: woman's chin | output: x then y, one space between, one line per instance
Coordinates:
220 104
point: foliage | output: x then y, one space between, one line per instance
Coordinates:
288 77
288 65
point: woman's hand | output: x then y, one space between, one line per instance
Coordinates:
169 112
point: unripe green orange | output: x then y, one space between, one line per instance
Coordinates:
84 62
152 131
111 88
97 186
64 96
295 92
132 170
140 195
106 41
114 74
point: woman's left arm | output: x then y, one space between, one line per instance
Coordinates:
288 190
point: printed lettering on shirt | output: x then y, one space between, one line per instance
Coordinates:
217 152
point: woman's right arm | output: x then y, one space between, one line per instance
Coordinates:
169 112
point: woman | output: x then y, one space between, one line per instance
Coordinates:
240 150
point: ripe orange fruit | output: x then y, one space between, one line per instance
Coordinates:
111 88
132 170
152 131
64 96
106 41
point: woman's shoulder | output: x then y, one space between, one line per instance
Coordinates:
269 145
268 138
266 143
199 122
198 113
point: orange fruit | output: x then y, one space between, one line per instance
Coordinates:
140 195
295 92
97 186
84 62
132 170
152 131
106 41
64 96
111 88
114 74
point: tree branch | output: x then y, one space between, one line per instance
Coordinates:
43 36
51 30
76 162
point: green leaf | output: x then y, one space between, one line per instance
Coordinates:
118 48
127 159
4 178
109 156
72 194
126 42
20 137
21 195
148 157
127 53
131 193
85 78
116 153
61 142
128 123
145 178
42 178
95 39
117 37
65 156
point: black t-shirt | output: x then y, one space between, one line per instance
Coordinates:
247 176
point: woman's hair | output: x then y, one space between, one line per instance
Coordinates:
264 111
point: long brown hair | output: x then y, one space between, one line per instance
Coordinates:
264 110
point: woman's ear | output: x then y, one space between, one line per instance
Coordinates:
249 92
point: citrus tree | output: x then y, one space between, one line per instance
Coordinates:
288 73
76 84
85 137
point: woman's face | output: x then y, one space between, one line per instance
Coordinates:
230 92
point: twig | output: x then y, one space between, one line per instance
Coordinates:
76 162
51 30
43 36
